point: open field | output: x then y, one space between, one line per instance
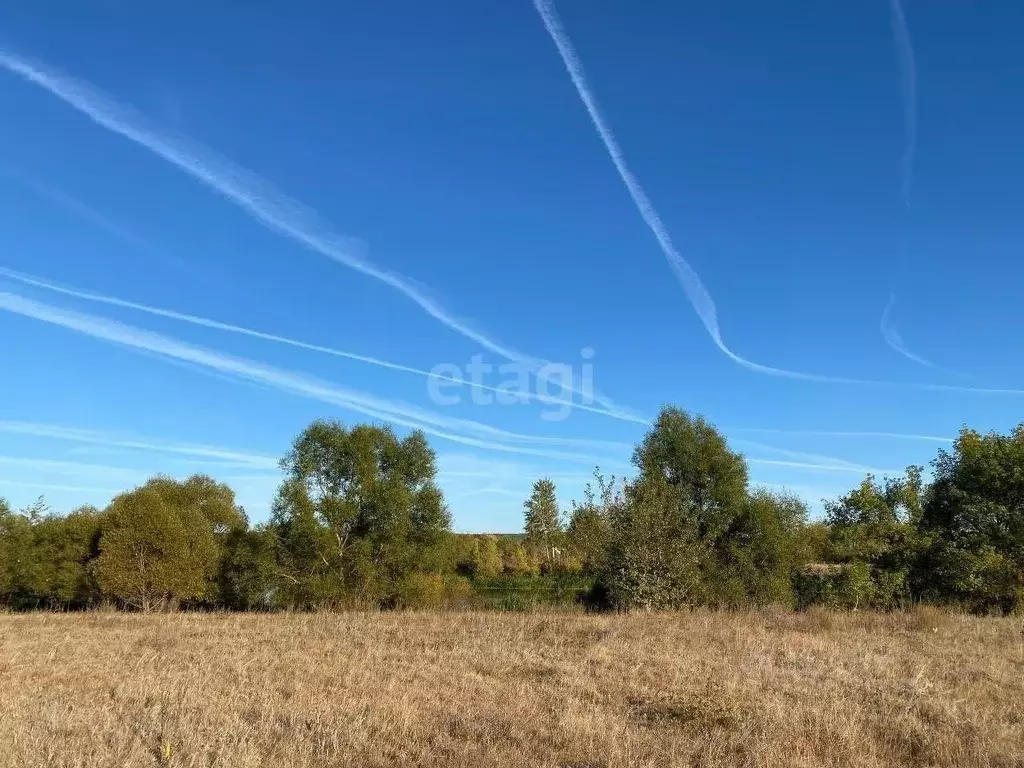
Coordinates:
479 689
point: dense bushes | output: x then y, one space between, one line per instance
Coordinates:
360 521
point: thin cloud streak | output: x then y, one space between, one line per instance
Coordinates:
89 214
217 325
908 91
254 195
814 459
454 429
699 296
895 340
823 467
93 437
58 487
835 433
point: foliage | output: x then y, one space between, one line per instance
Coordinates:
877 526
543 523
153 550
358 509
657 558
360 521
761 549
589 531
690 454
975 516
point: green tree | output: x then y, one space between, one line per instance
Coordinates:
878 525
670 541
215 503
975 517
17 556
656 556
154 552
761 549
543 522
589 531
690 454
64 549
248 575
358 509
516 559
488 563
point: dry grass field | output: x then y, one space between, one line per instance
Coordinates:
489 689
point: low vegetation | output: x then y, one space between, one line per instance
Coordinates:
473 689
360 522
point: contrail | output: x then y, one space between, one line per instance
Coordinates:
103 223
453 429
834 433
696 292
823 467
93 437
908 89
59 487
809 459
699 296
895 340
204 322
257 197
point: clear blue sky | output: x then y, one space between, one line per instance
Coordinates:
422 183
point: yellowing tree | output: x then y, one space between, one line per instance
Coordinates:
154 552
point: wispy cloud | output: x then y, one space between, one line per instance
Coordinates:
228 327
895 340
254 195
45 486
820 467
72 468
102 222
113 440
908 91
835 433
802 458
698 295
464 431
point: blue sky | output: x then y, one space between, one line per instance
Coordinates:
801 222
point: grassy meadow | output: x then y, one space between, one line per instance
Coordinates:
922 688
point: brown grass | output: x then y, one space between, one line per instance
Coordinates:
477 689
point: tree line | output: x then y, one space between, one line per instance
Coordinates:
359 521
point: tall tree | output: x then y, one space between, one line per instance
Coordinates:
762 548
359 508
656 556
975 515
543 522
154 552
589 531
690 454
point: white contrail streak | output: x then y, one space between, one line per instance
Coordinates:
908 90
895 340
814 466
257 197
85 212
834 433
93 437
698 295
696 292
814 459
454 429
217 325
